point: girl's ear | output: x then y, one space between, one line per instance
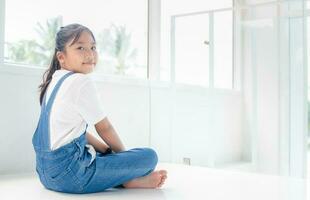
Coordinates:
60 57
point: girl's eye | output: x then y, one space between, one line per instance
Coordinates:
81 48
93 48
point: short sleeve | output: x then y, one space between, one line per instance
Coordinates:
89 104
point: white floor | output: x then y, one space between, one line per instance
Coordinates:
184 182
308 164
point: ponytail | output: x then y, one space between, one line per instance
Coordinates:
47 76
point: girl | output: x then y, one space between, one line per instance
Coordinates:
69 159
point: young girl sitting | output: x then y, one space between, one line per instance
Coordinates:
68 158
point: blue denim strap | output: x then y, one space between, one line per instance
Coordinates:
45 111
54 92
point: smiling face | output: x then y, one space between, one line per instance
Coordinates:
81 56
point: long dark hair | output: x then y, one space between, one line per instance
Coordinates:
63 36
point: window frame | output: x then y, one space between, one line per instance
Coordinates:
152 54
235 85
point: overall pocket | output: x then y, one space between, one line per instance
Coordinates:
62 179
58 169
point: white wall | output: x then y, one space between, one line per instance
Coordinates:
128 108
205 126
19 111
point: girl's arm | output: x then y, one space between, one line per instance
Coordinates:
97 144
109 136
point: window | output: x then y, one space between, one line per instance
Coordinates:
202 49
199 45
192 50
223 49
121 34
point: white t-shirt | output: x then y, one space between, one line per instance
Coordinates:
76 103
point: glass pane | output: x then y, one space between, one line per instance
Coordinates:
192 50
223 46
173 7
121 38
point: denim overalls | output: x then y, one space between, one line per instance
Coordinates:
71 169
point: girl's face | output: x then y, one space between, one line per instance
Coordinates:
81 56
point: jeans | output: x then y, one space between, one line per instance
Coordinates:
68 169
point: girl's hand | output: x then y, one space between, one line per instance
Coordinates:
99 146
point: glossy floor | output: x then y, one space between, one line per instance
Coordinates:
184 182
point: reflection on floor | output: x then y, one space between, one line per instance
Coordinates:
184 182
308 158
308 164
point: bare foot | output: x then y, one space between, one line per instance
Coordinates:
154 180
164 177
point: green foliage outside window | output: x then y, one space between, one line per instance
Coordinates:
113 44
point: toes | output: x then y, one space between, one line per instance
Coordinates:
164 177
162 181
161 177
161 184
163 172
